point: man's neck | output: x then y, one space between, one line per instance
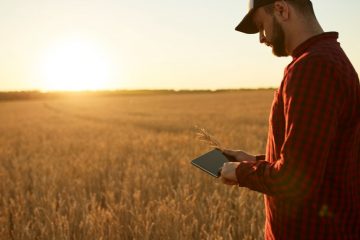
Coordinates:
300 34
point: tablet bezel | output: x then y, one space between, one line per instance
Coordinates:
212 155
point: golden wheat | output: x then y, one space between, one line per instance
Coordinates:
119 167
204 136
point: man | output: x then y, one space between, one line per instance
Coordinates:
310 174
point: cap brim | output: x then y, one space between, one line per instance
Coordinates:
247 25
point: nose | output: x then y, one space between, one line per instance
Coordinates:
262 37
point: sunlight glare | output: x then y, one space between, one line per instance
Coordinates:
75 64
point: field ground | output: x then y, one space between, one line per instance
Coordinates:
117 167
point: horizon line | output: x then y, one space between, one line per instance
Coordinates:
136 90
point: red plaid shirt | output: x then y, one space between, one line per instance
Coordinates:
311 174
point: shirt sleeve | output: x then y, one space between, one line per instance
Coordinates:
312 99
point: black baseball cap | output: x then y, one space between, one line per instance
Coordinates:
247 25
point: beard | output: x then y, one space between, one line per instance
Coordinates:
278 41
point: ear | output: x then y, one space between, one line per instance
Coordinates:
281 10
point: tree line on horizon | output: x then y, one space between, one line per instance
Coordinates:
38 95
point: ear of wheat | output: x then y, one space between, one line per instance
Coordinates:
205 136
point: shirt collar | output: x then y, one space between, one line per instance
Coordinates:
309 42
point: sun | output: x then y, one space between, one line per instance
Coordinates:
74 65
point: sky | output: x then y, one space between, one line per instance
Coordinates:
139 44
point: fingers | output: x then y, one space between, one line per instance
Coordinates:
226 151
230 155
228 173
228 182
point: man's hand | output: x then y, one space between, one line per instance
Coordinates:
228 170
228 173
238 155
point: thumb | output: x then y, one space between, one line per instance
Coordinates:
230 155
227 152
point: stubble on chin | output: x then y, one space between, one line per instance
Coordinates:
278 42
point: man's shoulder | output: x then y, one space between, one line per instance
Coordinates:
327 53
310 57
310 69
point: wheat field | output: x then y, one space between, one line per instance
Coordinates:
118 167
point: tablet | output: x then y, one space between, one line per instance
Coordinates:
211 162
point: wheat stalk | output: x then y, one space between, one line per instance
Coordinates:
205 136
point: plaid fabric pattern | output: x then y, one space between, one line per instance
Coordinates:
311 173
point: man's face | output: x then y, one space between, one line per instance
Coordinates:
270 32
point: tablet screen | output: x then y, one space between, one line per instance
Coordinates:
211 162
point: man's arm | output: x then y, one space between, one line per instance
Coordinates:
312 98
